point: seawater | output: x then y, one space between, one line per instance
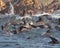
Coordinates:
21 41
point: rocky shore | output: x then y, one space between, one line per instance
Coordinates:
26 7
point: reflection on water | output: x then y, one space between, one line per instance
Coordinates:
21 40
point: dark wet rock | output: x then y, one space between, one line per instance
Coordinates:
57 28
17 44
39 19
2 27
6 45
28 38
14 32
46 15
41 26
59 21
33 26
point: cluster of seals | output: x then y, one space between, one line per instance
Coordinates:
23 25
26 25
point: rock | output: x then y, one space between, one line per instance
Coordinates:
28 37
59 21
2 5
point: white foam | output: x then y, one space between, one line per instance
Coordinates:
37 15
19 17
28 16
56 16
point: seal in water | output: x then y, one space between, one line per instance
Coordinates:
53 40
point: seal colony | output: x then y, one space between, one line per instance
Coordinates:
27 23
23 24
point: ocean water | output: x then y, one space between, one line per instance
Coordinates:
21 40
